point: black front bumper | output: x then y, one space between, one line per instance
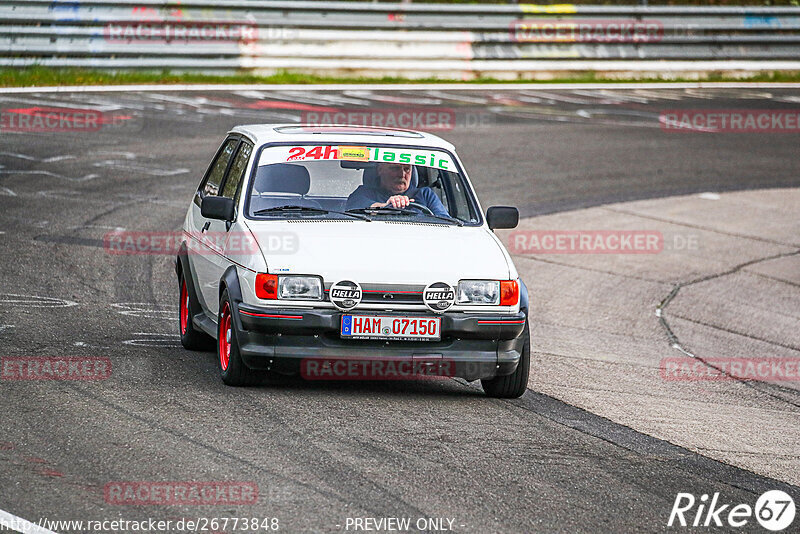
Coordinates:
472 346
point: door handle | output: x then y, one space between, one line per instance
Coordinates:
205 226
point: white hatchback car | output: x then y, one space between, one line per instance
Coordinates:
342 252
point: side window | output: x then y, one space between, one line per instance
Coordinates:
217 170
231 187
460 198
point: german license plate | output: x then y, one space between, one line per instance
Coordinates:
391 327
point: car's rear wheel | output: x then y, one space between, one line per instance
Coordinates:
233 370
191 338
515 384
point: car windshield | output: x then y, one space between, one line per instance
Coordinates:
338 181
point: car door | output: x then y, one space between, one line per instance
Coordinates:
227 248
205 239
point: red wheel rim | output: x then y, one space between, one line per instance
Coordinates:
184 308
225 337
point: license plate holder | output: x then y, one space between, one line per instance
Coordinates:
391 327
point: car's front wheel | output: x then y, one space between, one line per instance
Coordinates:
515 384
233 370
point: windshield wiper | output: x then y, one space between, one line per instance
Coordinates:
289 208
307 209
448 219
404 211
384 209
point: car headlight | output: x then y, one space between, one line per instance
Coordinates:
479 292
270 287
299 287
488 292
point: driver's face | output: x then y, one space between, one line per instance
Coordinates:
394 178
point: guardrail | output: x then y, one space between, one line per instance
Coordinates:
409 40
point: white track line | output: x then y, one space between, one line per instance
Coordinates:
17 524
399 87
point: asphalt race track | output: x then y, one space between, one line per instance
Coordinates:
321 453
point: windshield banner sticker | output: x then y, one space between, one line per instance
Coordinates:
427 158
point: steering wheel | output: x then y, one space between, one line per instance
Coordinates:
421 208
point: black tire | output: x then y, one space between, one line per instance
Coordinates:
191 338
514 385
233 370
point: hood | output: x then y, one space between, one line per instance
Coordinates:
382 251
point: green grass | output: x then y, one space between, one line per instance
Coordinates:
44 77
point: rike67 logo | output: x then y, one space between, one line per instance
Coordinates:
774 510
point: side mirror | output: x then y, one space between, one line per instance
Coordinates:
220 208
502 217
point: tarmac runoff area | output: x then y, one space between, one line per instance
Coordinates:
650 339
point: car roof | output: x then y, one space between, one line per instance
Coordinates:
325 133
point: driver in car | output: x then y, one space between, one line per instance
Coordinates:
395 191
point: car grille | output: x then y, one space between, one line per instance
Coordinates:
389 297
390 294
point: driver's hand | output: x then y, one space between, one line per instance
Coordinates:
399 201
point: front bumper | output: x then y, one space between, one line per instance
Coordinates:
472 346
